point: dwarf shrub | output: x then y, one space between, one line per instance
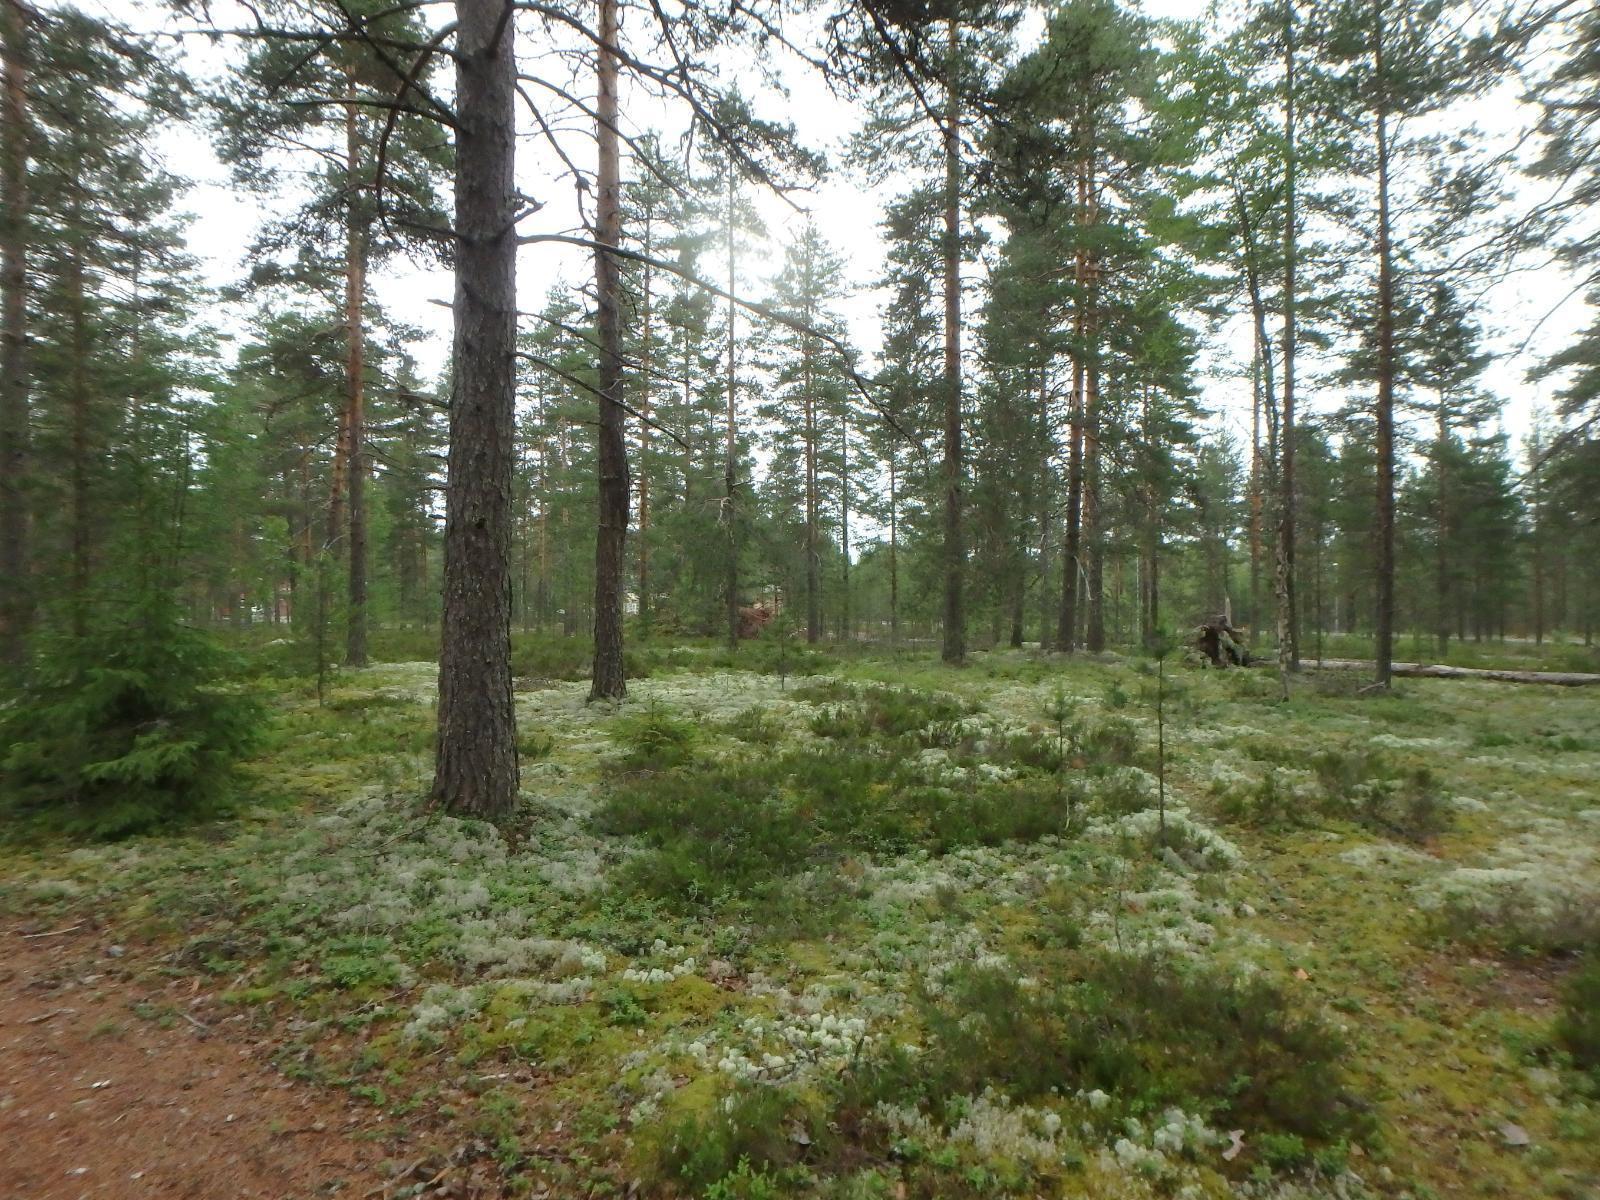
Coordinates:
1579 1027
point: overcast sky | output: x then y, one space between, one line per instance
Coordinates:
847 211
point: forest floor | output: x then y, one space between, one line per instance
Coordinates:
877 929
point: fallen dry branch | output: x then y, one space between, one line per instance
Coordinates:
1434 671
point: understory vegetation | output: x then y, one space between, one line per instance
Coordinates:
889 930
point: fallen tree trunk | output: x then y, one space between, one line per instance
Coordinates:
1433 671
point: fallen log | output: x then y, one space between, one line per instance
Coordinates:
1436 671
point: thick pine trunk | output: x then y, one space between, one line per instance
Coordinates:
1095 638
646 366
955 556
476 771
16 607
1071 561
1072 542
1384 617
609 683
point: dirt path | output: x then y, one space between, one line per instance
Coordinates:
99 1101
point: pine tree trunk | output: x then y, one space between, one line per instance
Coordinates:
79 435
894 552
844 527
1046 505
1095 641
1384 618
1288 632
1094 636
614 488
476 770
1071 562
1442 533
955 633
355 653
730 462
1072 542
16 603
813 559
646 364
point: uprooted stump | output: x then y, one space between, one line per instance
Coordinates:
1220 642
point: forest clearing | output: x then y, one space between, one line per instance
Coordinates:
941 956
839 599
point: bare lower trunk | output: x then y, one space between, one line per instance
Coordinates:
1288 632
844 527
1072 542
80 437
1384 653
355 653
476 771
894 554
609 683
644 440
730 462
955 556
16 593
813 559
1095 639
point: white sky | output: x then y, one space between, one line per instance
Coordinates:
848 212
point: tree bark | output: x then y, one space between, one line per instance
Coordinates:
1067 626
646 365
1439 671
1095 639
1072 542
1288 632
844 526
809 402
955 557
79 434
476 770
355 653
730 461
609 683
1384 617
16 593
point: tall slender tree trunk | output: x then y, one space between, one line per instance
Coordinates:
646 366
1257 475
955 554
809 401
355 275
1072 541
1288 633
476 770
1442 529
1046 507
1384 617
1071 561
1095 638
730 461
844 526
1094 634
894 551
16 592
610 536
79 434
